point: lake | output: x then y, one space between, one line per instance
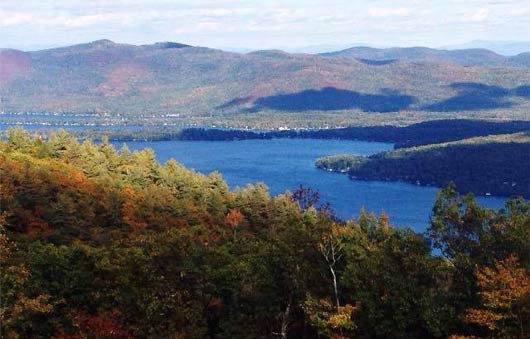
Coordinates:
284 164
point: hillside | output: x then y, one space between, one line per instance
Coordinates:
497 165
101 243
174 83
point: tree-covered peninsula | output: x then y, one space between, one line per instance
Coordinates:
496 165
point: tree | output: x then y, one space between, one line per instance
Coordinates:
331 321
233 218
305 196
18 139
332 249
397 288
19 310
504 308
102 326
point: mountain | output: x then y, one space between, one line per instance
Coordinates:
522 59
500 47
111 79
462 57
322 48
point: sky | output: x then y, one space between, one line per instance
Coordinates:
251 25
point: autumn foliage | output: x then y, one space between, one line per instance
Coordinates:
504 299
103 243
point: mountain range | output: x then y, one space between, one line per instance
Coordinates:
462 57
113 79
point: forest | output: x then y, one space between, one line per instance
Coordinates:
98 242
497 165
426 132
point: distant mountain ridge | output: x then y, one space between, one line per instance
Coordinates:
508 48
105 77
462 57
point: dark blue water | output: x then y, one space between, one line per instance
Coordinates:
283 164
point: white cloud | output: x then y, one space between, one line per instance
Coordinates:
208 26
516 12
91 20
383 12
476 16
14 19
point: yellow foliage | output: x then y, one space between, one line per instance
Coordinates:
341 319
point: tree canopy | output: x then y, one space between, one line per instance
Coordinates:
103 243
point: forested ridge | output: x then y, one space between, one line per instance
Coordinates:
498 165
423 133
103 243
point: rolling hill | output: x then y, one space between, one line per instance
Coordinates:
171 79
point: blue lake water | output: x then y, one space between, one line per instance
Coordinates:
284 164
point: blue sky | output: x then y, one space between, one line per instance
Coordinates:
34 24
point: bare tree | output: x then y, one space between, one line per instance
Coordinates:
331 249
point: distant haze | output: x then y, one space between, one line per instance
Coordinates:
293 25
501 47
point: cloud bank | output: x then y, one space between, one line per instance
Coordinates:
262 24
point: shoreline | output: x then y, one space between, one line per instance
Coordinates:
422 133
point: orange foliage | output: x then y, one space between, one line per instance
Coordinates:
234 217
46 181
129 208
505 294
37 227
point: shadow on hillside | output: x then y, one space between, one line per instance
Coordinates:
523 91
331 98
235 102
374 62
470 96
476 96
